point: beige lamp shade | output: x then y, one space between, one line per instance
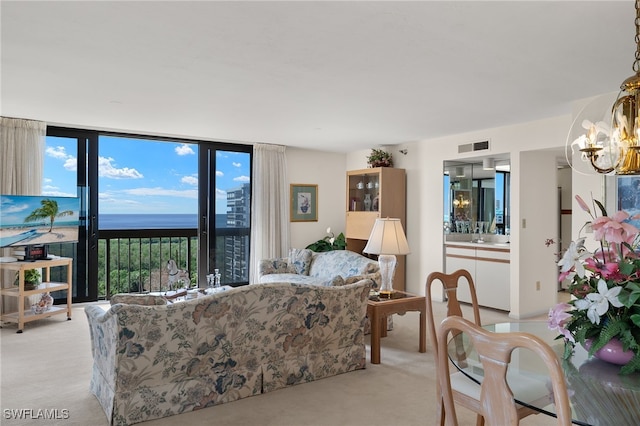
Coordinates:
387 237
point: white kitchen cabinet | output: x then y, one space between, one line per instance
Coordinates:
489 267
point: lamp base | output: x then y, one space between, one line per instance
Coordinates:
387 264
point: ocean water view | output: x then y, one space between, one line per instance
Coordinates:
154 221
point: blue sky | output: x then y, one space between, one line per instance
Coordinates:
142 176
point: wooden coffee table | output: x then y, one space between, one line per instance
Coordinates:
380 307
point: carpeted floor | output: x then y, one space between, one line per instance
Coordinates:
49 367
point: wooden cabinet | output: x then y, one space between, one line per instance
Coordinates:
8 290
371 194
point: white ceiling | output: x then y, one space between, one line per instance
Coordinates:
336 76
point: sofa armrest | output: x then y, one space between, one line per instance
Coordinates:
102 328
376 279
278 265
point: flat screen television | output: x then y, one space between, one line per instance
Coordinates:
28 221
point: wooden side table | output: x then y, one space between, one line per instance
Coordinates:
22 316
400 302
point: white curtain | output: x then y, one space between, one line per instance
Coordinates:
269 206
22 144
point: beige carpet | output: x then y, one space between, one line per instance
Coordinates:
49 367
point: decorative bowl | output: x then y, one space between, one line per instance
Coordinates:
43 305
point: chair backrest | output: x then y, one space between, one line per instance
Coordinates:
450 283
494 350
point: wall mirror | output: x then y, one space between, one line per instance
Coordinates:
476 196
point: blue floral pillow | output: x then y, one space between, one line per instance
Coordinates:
300 260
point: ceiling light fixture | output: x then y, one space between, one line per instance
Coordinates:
611 145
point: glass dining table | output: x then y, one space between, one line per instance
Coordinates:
599 395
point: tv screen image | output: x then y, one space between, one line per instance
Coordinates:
33 220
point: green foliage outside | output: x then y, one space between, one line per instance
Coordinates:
140 264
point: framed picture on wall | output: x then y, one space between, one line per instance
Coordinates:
304 202
628 196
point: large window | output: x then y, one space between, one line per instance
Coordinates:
149 200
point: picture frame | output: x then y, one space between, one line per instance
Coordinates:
627 196
304 202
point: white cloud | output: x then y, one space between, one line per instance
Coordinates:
236 164
189 180
162 192
9 208
58 194
221 194
57 152
219 173
108 170
242 179
184 149
71 164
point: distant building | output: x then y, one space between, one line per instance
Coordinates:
236 244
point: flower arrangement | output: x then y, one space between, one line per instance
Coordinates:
329 243
380 158
605 285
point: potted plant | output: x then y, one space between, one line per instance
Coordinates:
380 158
31 279
329 243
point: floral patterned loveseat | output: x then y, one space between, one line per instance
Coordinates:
328 268
153 361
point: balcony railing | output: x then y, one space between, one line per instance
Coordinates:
135 261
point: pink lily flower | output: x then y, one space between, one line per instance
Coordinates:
558 319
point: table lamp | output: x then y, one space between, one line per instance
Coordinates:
387 239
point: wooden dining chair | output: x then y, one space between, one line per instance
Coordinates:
497 404
465 392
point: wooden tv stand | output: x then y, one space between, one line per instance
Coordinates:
22 316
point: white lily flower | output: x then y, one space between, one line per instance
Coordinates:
331 240
573 257
597 304
328 230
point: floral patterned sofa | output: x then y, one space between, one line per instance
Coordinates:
153 360
328 268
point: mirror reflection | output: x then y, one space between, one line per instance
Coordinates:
476 197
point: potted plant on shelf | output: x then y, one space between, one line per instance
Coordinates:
380 158
31 279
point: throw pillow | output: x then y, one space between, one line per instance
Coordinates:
300 260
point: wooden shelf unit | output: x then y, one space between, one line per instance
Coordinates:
22 315
386 187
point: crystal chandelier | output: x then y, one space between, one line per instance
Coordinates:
611 145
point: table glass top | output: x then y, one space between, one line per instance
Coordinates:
599 395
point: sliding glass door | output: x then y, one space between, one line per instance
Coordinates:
152 204
224 212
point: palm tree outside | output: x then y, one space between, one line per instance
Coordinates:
49 210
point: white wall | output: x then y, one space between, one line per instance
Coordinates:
424 165
328 171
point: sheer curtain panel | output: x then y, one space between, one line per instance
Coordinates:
22 145
269 206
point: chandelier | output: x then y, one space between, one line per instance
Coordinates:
461 202
611 145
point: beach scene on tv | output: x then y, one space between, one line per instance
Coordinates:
29 220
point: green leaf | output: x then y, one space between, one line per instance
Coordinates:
601 207
636 319
632 366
